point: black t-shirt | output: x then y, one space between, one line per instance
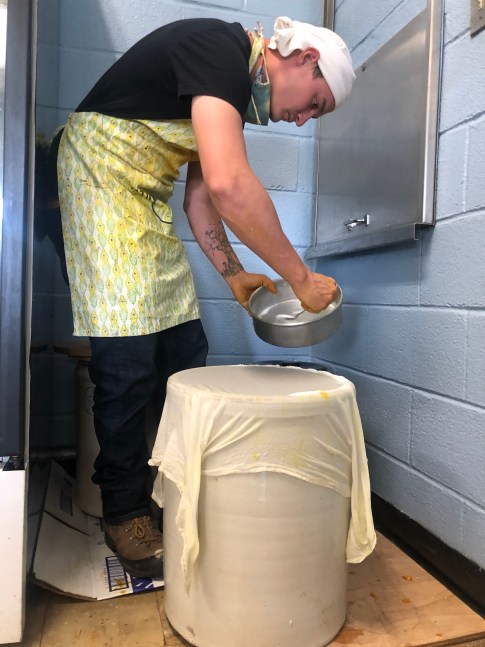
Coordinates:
158 76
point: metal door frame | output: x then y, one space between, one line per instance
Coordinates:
16 226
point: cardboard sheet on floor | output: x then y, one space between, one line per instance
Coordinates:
71 556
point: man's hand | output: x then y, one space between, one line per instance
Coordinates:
316 292
243 284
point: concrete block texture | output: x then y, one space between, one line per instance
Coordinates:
284 128
348 346
385 410
256 11
307 172
475 367
389 275
78 72
48 21
295 211
303 10
111 25
237 5
453 271
208 283
452 158
448 444
436 508
463 90
475 193
247 19
457 19
221 319
274 159
422 347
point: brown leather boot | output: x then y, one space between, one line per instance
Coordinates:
138 546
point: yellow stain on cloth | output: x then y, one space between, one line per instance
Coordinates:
311 394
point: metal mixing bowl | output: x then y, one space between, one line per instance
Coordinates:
271 323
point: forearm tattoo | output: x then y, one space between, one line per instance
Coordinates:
216 241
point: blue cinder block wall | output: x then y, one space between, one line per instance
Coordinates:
414 320
414 315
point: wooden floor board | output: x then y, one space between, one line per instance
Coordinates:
392 602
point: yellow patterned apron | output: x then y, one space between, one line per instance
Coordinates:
128 271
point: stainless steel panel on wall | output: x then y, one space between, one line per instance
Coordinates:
377 152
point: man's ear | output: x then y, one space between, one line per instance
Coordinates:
309 55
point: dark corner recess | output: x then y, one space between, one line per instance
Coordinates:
459 574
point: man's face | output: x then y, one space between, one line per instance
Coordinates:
298 95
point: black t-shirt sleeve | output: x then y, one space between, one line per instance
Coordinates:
158 76
209 63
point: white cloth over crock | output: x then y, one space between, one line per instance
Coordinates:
224 420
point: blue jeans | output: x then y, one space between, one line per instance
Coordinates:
128 373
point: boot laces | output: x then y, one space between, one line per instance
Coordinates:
143 530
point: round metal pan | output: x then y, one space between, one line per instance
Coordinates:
274 323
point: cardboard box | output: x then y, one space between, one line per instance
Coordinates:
71 556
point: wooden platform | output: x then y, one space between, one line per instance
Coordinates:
393 602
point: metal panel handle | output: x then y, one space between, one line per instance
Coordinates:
355 222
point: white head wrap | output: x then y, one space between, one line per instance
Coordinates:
335 62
